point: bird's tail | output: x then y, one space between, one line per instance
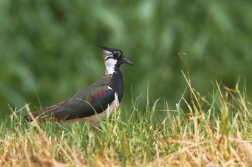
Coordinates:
41 115
32 116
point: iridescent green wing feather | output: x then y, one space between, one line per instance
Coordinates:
87 102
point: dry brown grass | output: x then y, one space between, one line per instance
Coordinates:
218 136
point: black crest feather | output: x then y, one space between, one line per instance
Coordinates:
104 47
100 44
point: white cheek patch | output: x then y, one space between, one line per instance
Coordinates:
110 65
107 53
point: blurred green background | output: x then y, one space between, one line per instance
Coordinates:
48 50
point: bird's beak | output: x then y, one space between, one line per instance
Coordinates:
127 62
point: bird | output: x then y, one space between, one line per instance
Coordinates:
96 101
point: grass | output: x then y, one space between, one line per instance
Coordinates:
214 132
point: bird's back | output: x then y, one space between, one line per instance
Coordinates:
94 98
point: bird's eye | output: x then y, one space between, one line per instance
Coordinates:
115 54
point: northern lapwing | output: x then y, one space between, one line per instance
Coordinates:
94 102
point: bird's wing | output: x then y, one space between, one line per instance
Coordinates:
84 103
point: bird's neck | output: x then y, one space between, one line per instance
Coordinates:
116 82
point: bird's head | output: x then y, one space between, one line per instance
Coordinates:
112 57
